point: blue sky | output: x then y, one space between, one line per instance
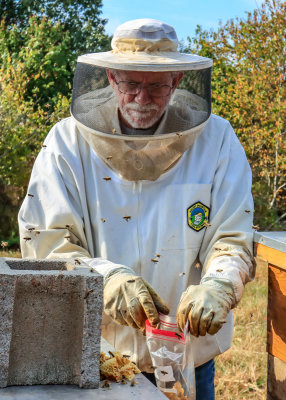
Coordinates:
183 15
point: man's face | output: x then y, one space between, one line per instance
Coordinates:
142 110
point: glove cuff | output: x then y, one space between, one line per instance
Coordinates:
117 271
222 284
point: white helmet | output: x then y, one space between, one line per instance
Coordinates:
141 48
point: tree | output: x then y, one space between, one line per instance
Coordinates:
81 18
248 88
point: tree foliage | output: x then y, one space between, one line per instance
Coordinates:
80 18
248 89
39 44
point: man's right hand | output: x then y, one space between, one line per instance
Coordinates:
130 300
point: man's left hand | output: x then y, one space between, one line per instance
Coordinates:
205 306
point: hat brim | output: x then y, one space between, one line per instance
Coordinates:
141 61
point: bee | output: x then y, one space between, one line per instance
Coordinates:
26 238
179 134
127 217
154 260
132 383
37 232
30 195
207 224
178 336
103 219
88 293
91 269
76 261
219 270
131 281
197 265
256 227
123 382
67 237
31 229
158 255
151 367
69 226
44 146
107 178
4 244
109 157
113 130
105 384
112 354
125 355
247 211
164 372
182 273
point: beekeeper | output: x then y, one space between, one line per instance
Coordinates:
145 185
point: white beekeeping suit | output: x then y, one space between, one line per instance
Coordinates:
170 203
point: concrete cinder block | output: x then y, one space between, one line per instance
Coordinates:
50 322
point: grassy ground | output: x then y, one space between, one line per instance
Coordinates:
241 371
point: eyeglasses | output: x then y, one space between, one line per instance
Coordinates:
154 90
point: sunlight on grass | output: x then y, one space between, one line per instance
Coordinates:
241 371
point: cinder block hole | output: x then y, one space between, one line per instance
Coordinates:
38 265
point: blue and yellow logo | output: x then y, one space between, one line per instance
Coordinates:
198 216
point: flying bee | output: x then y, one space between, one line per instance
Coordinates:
112 354
113 130
88 293
127 217
26 238
31 229
247 211
178 336
123 382
182 273
109 157
131 281
67 237
30 195
164 372
219 270
44 146
197 265
103 219
256 227
107 178
76 261
154 260
158 255
91 269
37 232
69 226
207 224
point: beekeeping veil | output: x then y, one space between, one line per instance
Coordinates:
141 45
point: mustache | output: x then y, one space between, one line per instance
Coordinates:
141 107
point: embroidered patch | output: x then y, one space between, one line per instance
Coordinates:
198 215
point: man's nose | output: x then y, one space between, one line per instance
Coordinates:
143 96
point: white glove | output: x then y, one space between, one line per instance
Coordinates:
206 306
130 300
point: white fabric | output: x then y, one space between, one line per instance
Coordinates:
146 45
80 214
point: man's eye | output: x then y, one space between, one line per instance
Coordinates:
132 84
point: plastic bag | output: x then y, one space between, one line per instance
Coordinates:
172 359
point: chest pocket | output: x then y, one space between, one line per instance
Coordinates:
175 227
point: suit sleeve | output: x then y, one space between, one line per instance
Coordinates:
54 218
227 248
